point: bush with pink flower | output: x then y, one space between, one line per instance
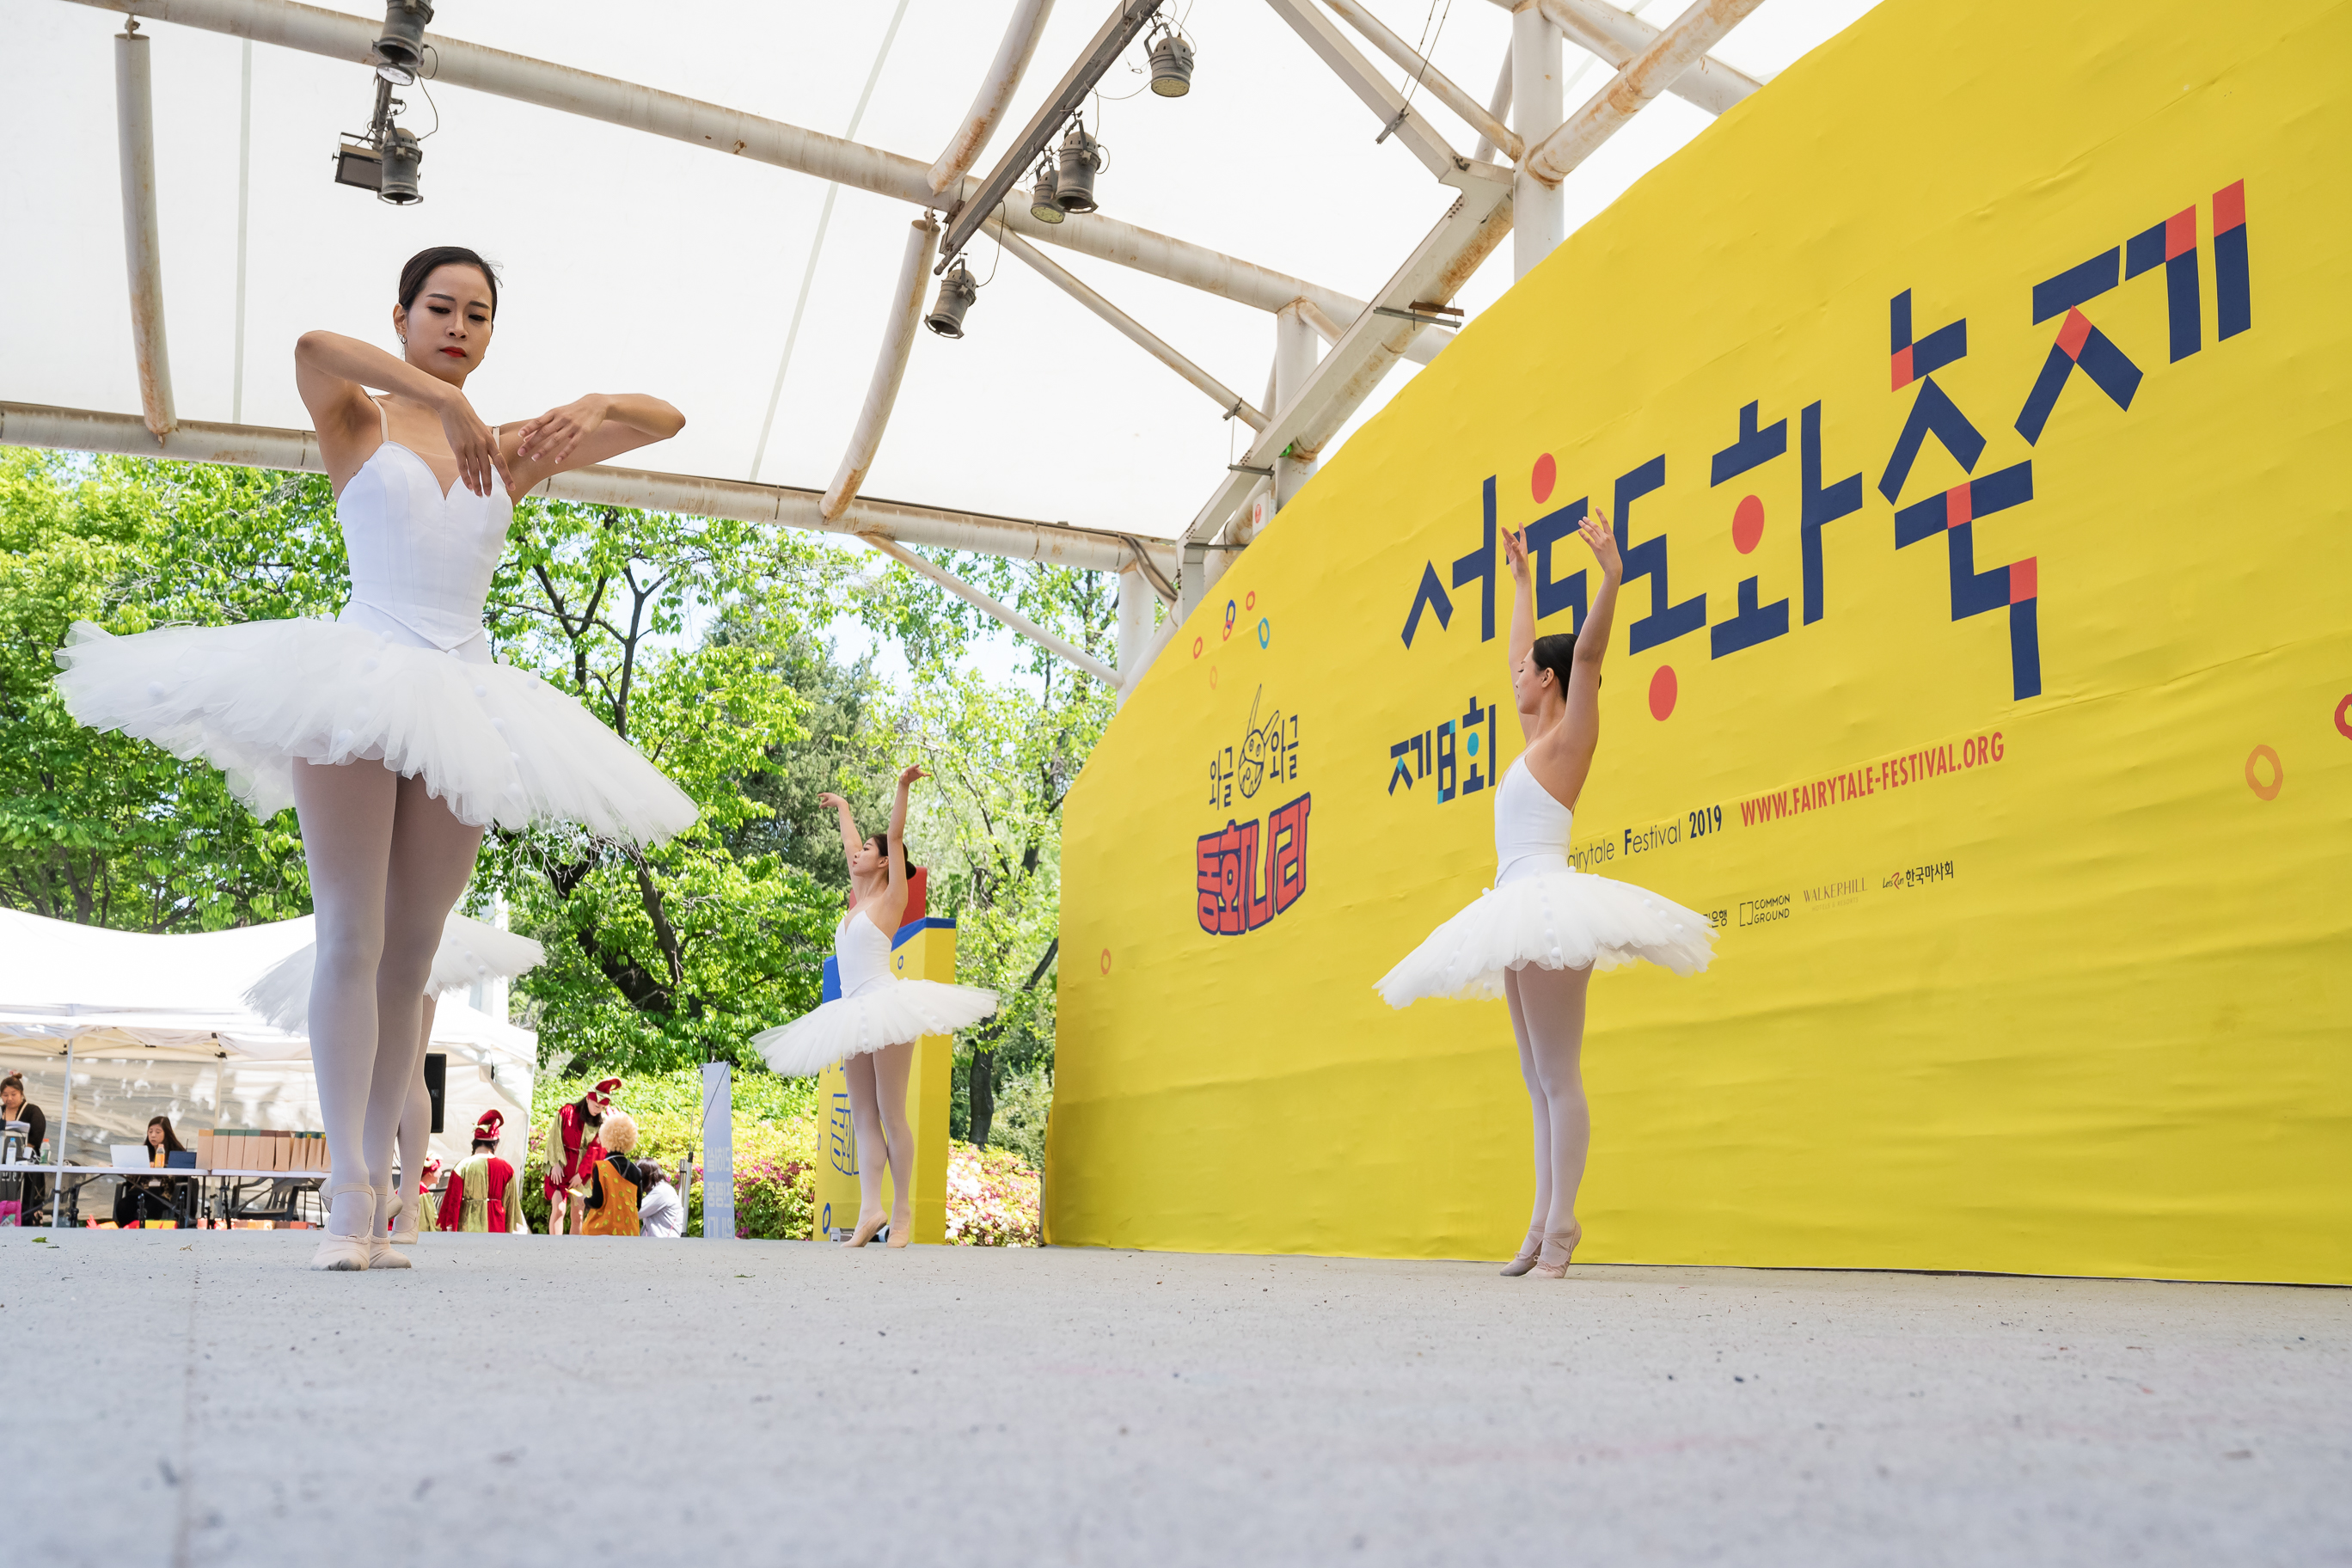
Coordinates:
991 1198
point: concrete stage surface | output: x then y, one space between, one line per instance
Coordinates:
196 1397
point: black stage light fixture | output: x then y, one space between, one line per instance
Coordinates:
1082 160
402 156
1042 204
403 44
957 292
1171 64
357 163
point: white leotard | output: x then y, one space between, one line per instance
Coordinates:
1530 828
421 561
864 953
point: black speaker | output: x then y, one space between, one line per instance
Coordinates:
436 1080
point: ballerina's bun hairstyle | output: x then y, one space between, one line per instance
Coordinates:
1555 652
421 264
882 847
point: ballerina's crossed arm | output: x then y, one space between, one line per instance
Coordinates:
1560 742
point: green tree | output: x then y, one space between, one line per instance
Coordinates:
101 828
679 951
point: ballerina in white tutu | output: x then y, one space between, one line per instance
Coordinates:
389 729
871 1028
1536 937
470 953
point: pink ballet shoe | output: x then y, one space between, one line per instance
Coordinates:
380 1252
867 1226
344 1254
901 1233
1526 1255
1552 1263
404 1221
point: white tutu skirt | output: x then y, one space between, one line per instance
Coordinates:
500 746
1556 918
469 952
886 1014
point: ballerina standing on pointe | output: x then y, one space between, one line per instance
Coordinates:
1536 937
871 1028
389 730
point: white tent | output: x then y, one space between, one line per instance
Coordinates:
146 1025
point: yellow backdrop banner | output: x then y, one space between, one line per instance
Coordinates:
1971 406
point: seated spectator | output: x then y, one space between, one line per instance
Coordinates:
143 1198
614 1184
15 1108
662 1215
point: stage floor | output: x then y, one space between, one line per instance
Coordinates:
196 1397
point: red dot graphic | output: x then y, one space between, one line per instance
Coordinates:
2344 717
1662 691
1747 524
1547 475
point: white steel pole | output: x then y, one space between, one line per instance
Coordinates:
65 1120
339 35
1004 73
1498 106
243 194
718 1153
1553 156
1538 211
1076 659
1224 397
134 120
889 369
1135 628
1297 349
690 495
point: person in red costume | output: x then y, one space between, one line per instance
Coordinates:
571 1148
482 1194
422 1208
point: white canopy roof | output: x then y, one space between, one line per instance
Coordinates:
116 993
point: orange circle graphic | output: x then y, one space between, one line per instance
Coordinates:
2344 717
1662 692
1106 961
1747 524
2278 773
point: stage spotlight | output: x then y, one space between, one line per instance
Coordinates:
357 163
402 156
1082 160
1171 65
403 44
1042 204
957 292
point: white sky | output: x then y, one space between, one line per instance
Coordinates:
635 263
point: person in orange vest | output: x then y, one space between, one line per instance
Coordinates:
571 1148
615 1183
483 1195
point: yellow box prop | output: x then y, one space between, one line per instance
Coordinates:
1970 404
923 950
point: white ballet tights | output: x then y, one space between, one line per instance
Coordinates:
416 1115
387 864
877 1111
1548 1016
